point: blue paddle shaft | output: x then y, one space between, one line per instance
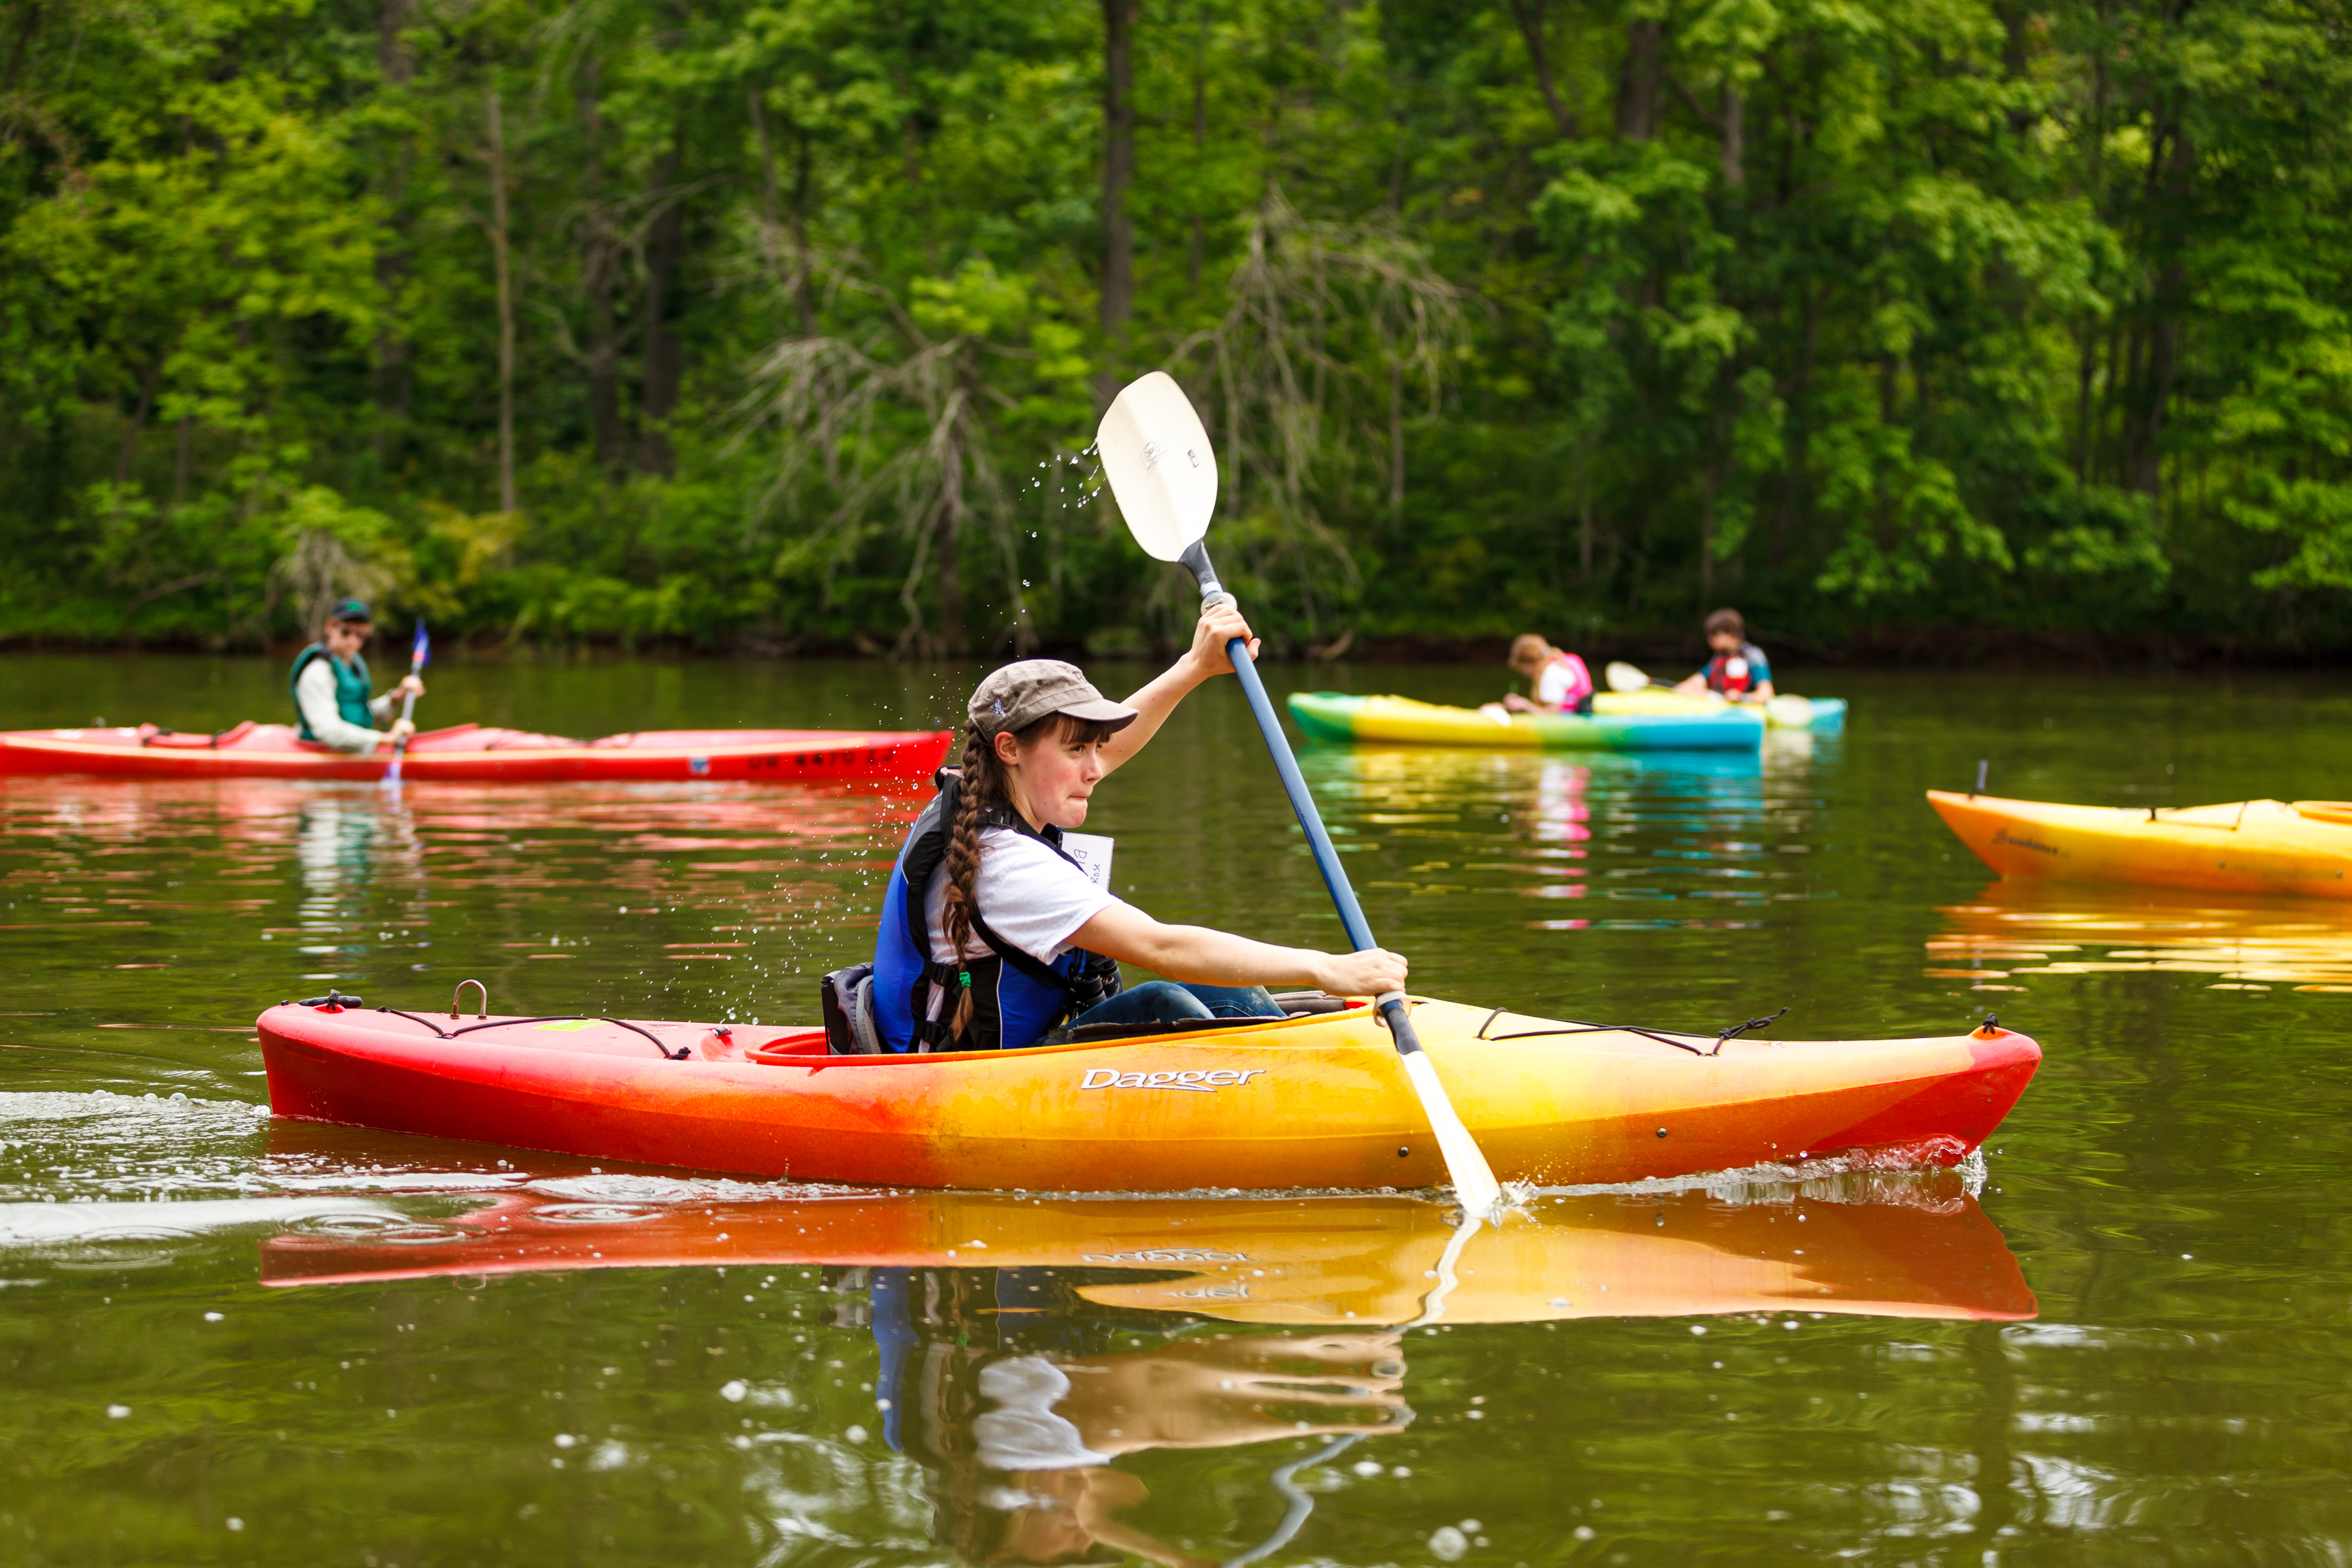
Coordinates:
1294 784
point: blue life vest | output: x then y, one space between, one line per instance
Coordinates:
1014 998
351 688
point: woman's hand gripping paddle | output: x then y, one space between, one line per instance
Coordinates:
420 654
1164 473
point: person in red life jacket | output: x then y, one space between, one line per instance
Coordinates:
993 933
1738 669
1557 679
332 701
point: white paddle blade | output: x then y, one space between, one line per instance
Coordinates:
1791 712
1159 464
1475 1186
1624 676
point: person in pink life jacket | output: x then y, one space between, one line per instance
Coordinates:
1557 679
1738 669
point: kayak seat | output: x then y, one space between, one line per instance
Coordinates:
846 996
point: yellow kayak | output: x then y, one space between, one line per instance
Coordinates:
2302 848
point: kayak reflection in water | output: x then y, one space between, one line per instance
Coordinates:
1003 1385
999 923
333 701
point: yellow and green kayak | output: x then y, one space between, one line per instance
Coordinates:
1704 726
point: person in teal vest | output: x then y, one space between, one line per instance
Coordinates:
332 698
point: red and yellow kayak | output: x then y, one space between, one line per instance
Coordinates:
1313 1100
1355 1260
478 753
2303 848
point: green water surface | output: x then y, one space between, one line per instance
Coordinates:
2123 1337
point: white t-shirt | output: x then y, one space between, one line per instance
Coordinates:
1030 896
1558 680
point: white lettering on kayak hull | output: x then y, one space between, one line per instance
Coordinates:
1196 1079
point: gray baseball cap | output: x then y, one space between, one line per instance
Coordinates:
1018 695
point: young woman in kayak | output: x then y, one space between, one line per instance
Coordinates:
992 935
333 701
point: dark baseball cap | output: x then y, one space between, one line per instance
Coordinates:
350 610
1018 695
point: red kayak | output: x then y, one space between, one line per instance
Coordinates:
471 752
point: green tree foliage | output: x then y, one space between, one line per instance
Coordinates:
1573 316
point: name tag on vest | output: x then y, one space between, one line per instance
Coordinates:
1092 852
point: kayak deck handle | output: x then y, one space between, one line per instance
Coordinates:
460 992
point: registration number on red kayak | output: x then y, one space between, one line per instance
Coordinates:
1202 1080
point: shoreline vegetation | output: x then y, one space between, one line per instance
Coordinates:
1935 331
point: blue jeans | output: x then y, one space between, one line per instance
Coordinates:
1169 1002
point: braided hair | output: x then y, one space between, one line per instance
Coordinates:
985 789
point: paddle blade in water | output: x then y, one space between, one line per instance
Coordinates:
1157 459
1791 712
1624 676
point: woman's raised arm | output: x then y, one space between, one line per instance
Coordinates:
1158 698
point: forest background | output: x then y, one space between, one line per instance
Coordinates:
777 325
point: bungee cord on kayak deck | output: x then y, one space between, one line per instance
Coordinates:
680 1054
1680 1044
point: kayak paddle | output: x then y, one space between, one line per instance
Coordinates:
420 654
1164 474
1624 676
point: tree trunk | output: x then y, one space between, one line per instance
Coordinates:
1530 17
499 236
1118 174
664 362
951 635
795 279
804 284
770 224
138 421
25 35
2171 171
2085 373
1639 77
1584 508
1396 437
599 263
1706 538
394 354
1735 152
1193 253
